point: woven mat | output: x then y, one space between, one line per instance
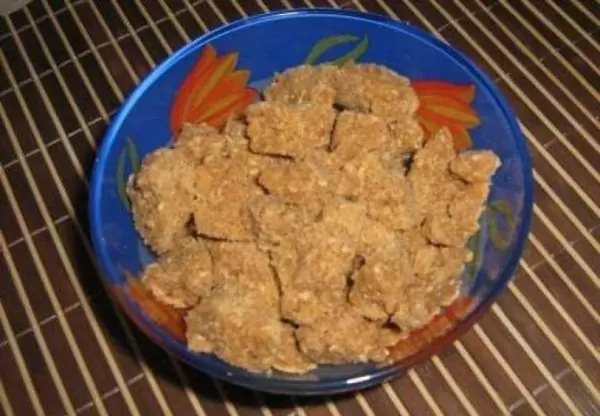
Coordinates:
64 70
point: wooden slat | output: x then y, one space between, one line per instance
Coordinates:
66 67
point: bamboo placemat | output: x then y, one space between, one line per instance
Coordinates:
65 68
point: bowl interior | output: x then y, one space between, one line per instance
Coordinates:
268 44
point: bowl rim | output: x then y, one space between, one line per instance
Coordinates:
261 381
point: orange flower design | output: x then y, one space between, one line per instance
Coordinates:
418 340
446 104
165 316
212 92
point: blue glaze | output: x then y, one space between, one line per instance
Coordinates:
268 44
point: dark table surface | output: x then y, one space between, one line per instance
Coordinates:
65 68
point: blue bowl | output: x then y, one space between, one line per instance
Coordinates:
267 44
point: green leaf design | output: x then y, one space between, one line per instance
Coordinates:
134 158
496 236
473 244
329 42
324 44
121 180
504 208
354 54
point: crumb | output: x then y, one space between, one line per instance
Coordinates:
235 129
308 182
289 130
181 277
382 275
375 89
421 253
345 337
407 134
376 237
162 196
462 218
467 206
452 259
246 266
377 285
475 166
387 194
306 307
236 325
356 133
312 267
200 142
222 213
273 220
304 84
436 155
240 321
423 260
437 287
194 131
430 179
415 307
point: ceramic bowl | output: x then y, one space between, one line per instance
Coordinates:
257 48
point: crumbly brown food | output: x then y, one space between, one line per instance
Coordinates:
190 132
300 182
356 133
239 321
350 339
162 197
377 90
431 288
304 84
222 213
170 180
258 341
181 277
289 130
407 134
430 177
475 165
305 233
246 266
388 196
273 219
461 220
313 265
373 294
236 130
